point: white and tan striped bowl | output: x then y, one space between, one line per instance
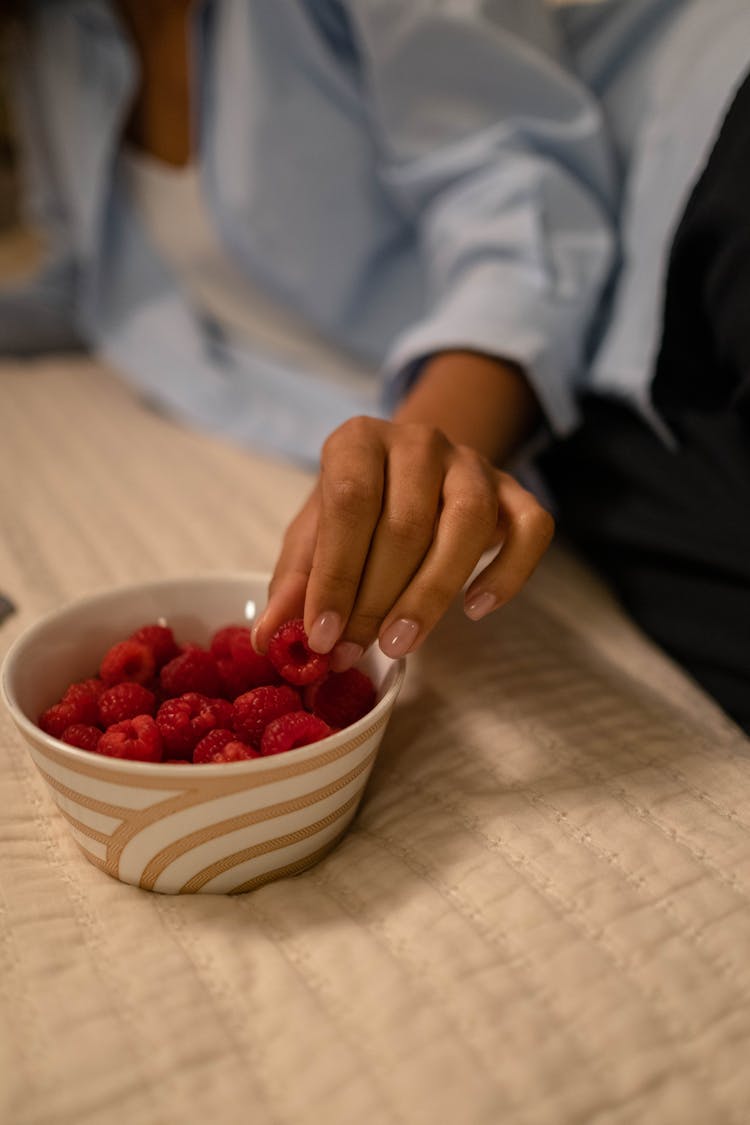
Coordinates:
220 829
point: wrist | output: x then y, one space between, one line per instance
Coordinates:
476 400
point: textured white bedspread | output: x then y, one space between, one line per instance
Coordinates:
541 914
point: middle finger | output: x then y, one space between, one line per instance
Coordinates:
415 471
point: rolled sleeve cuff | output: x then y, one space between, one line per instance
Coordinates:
506 319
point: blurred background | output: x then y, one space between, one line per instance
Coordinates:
7 183
18 247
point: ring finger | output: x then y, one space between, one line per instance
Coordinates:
467 524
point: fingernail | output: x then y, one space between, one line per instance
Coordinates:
345 656
398 639
325 631
254 631
480 605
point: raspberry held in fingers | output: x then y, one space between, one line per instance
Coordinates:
292 656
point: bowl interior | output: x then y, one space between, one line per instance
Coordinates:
68 645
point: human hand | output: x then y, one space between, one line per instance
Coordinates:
398 520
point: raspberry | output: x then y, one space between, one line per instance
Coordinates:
125 701
222 746
342 697
240 666
194 669
84 695
291 655
127 661
254 666
57 718
78 705
221 642
138 739
187 686
254 710
83 736
160 639
184 721
296 728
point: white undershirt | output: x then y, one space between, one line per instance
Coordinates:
171 204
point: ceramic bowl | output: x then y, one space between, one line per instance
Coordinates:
217 829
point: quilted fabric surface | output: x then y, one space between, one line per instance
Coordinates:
541 914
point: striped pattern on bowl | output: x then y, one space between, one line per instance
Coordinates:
181 829
210 834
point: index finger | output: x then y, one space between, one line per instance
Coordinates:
352 483
286 593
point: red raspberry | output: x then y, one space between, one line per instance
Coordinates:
78 705
296 728
291 655
127 661
194 669
160 639
125 701
184 721
222 746
220 645
57 718
254 710
83 736
257 668
342 697
84 695
241 667
138 739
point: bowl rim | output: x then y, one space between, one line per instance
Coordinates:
32 732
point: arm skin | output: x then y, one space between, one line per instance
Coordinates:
475 400
403 511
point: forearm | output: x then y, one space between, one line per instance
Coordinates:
475 400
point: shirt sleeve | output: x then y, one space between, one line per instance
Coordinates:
38 314
500 156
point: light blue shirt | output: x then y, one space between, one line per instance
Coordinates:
405 176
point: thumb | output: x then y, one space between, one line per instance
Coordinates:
288 585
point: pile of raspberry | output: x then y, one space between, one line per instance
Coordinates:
155 700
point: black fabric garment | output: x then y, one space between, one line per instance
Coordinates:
671 528
704 359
